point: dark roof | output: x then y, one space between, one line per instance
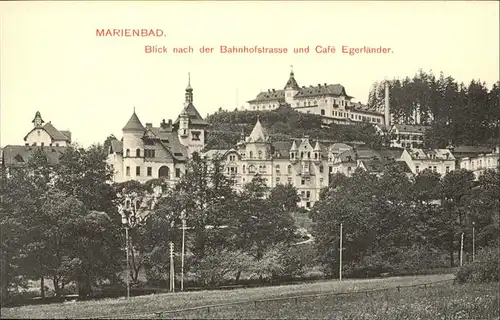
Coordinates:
322 90
194 116
364 108
411 128
270 95
133 124
15 156
116 146
67 134
471 149
53 133
292 83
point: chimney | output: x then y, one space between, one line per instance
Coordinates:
149 125
319 85
170 122
325 84
387 113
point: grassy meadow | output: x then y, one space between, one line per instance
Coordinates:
439 301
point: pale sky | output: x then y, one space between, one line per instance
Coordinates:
53 62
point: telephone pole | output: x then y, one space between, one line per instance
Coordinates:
461 248
172 270
340 254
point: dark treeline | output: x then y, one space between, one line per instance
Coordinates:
395 224
283 124
463 114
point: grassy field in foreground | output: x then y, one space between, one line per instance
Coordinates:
146 306
441 301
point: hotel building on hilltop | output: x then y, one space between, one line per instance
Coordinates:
328 100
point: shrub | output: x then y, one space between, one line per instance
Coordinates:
485 268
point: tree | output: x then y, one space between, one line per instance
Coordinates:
456 187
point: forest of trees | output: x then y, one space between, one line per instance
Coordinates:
397 225
463 115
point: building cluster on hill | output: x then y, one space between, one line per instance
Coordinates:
147 152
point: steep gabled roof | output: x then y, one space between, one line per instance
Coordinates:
322 90
194 116
55 134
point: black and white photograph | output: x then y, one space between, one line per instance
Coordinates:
250 160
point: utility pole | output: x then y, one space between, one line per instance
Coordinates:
128 264
461 248
183 217
172 270
473 241
340 254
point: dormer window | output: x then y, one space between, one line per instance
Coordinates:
138 153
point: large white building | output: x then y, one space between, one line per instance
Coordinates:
328 100
146 152
482 162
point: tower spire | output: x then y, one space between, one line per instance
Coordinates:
291 70
189 92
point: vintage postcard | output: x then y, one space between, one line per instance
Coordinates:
249 159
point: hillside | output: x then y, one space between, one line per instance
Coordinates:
283 123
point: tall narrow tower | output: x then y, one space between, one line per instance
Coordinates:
189 92
387 111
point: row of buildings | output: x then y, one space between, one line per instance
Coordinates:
148 152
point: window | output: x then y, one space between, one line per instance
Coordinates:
148 153
308 194
251 169
302 182
434 168
447 169
127 153
322 112
309 155
260 154
302 194
277 169
330 169
149 143
320 169
127 170
277 180
57 144
232 157
42 144
292 155
308 204
196 135
137 171
177 172
251 154
417 169
289 180
289 169
149 171
244 168
138 153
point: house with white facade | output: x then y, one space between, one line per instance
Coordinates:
441 161
482 162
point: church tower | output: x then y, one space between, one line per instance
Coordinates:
291 88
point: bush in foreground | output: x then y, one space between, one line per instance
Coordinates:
485 268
